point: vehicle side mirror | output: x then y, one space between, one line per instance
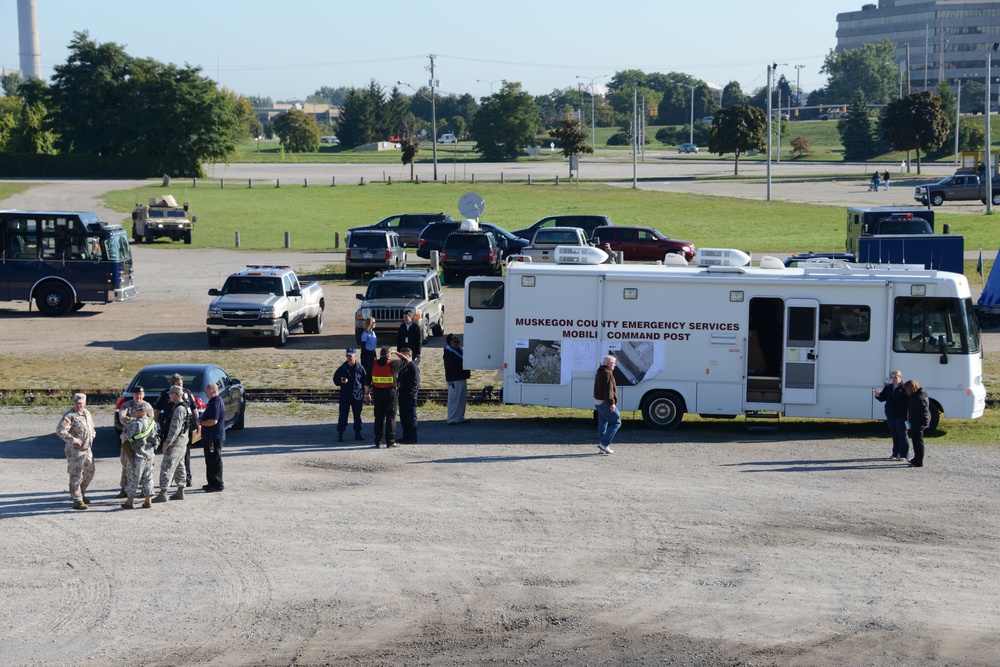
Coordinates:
294 292
359 297
943 348
214 292
234 381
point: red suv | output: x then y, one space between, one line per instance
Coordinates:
642 243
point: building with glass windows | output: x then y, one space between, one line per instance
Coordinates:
948 39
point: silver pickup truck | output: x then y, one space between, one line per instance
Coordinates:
264 301
543 245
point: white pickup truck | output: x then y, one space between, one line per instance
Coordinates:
264 301
543 245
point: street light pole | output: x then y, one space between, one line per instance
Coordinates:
989 155
692 87
798 85
593 122
489 82
434 124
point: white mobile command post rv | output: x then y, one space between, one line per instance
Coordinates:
722 338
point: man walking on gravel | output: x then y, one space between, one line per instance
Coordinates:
609 419
76 429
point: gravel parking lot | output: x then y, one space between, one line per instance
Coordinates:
505 541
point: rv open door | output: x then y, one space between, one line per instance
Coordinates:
485 299
798 377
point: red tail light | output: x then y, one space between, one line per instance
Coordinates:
388 253
198 403
347 255
442 254
120 403
492 256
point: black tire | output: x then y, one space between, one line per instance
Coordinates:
937 199
662 410
214 341
314 325
149 236
53 299
77 306
281 340
436 329
241 419
424 334
350 273
996 199
449 277
187 237
935 417
136 236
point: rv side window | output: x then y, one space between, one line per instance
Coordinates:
844 322
486 295
920 324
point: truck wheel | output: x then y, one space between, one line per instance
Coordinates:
937 199
187 237
423 333
996 198
136 236
54 299
350 274
935 417
662 410
214 341
437 329
282 338
149 236
77 306
314 325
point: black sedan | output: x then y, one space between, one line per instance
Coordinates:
156 379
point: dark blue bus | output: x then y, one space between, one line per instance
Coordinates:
62 260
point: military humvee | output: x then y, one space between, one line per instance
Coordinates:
163 217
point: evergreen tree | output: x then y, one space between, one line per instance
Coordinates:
858 131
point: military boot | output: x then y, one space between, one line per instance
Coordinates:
148 502
122 494
80 505
128 504
178 494
161 497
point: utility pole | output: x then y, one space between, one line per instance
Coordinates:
798 85
958 119
989 154
434 125
908 93
770 73
635 138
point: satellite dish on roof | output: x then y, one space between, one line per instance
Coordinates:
471 205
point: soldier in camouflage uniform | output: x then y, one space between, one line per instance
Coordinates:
125 418
76 429
175 444
139 440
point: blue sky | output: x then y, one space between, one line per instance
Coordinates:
288 50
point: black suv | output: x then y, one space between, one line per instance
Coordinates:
407 225
588 223
471 253
433 237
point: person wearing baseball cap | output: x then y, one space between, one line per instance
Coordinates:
351 380
76 429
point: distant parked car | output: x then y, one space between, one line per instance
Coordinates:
154 379
638 243
588 223
407 225
329 140
471 253
687 148
448 138
707 119
371 250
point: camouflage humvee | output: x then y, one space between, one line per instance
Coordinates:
163 217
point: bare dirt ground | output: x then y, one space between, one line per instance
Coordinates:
505 541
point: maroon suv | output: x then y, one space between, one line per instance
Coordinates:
638 243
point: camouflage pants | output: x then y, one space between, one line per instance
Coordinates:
80 466
124 480
172 468
140 476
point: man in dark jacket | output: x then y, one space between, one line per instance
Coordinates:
409 388
919 414
609 419
409 335
457 378
351 379
384 383
894 397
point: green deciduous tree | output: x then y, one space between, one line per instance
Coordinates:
732 94
915 122
738 129
572 138
298 131
869 67
505 123
858 132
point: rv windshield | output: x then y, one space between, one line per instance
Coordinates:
920 324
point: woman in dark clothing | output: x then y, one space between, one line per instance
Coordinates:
919 413
895 401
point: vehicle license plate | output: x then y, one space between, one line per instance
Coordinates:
366 255
467 257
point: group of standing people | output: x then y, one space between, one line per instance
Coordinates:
879 179
907 413
389 381
173 424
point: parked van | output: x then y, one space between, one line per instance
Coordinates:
448 138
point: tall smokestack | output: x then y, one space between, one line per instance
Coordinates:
27 24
